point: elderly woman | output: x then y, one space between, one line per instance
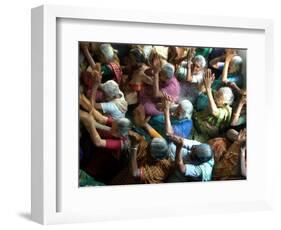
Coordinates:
231 76
190 74
229 155
137 75
164 82
216 118
179 123
115 104
194 160
108 137
149 162
110 67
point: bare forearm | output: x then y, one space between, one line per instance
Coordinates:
168 125
89 57
179 161
156 91
236 114
95 137
212 105
225 71
189 75
134 165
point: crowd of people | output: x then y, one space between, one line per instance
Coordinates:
161 114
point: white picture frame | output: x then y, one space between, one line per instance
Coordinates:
52 199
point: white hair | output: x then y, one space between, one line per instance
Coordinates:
228 95
107 51
187 108
111 89
169 70
123 125
237 63
159 148
201 60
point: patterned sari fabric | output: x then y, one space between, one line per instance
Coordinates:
227 159
152 171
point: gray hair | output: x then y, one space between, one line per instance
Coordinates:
201 60
111 89
187 108
169 70
237 63
201 153
124 125
107 51
181 73
158 148
228 95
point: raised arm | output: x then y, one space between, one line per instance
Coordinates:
237 112
179 161
86 104
85 49
168 125
228 58
214 62
156 66
208 80
89 123
135 171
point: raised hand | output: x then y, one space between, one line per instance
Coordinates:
242 136
97 74
208 78
191 54
176 139
156 63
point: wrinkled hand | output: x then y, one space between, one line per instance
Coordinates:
156 63
229 54
134 138
97 74
191 54
208 79
242 136
176 139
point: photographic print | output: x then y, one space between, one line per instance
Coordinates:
152 114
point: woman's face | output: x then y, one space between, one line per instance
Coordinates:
196 68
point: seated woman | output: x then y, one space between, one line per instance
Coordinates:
149 162
110 67
109 145
115 104
229 155
190 74
137 76
164 81
231 76
180 122
194 161
211 121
